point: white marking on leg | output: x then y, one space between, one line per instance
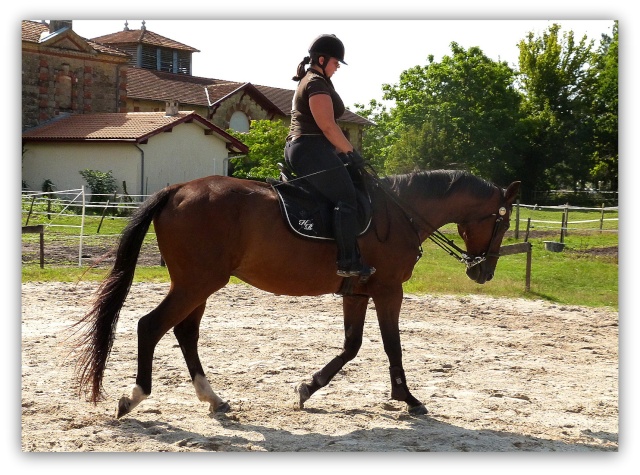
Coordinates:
126 404
137 396
205 393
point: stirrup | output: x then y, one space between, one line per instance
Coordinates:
364 272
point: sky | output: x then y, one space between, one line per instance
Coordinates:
267 52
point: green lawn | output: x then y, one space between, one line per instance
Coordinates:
584 273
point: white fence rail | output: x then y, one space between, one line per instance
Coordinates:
564 225
60 211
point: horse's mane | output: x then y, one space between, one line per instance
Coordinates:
441 183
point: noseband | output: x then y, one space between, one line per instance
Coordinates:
467 259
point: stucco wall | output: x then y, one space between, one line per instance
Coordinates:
182 155
62 162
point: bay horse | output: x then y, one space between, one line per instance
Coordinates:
212 228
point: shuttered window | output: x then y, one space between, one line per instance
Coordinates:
165 60
183 62
148 57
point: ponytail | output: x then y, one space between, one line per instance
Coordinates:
301 70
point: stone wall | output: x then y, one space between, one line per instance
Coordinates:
56 81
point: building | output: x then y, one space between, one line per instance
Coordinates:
146 151
127 73
160 70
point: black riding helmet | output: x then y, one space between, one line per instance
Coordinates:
328 45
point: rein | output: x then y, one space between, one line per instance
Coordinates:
435 235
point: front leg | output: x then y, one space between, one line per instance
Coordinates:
388 309
354 309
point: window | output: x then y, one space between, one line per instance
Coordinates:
63 92
239 122
148 57
183 62
165 62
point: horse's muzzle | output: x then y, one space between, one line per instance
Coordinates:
480 273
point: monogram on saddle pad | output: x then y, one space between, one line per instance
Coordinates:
310 214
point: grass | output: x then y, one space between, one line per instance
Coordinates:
583 274
577 276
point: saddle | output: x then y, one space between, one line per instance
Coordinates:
310 214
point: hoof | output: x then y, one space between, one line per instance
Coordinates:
418 410
124 407
301 395
222 408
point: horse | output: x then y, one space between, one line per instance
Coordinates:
212 228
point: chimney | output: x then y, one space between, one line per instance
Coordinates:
172 108
55 25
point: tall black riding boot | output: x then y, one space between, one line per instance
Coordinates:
346 230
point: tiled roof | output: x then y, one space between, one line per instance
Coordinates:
32 30
143 36
162 86
119 127
282 98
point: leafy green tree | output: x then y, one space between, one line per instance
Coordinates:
265 140
377 138
604 161
462 112
558 124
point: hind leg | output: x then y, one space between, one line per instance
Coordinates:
187 332
151 328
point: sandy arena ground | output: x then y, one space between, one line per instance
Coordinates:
497 375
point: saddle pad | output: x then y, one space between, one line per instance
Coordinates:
310 214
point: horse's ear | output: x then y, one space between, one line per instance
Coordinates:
512 191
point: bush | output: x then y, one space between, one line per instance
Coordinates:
102 184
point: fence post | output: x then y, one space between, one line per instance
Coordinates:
81 228
30 210
565 222
106 208
41 247
517 233
527 284
601 218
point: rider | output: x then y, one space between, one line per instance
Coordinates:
318 150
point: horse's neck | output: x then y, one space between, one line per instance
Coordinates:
434 212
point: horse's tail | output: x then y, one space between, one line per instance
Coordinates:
99 324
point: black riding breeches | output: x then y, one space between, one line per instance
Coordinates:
315 159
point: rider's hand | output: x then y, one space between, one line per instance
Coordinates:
355 160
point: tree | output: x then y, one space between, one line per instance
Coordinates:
265 140
462 112
604 161
558 124
377 138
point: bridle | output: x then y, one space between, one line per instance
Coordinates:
461 255
437 237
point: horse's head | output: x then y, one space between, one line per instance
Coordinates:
483 234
